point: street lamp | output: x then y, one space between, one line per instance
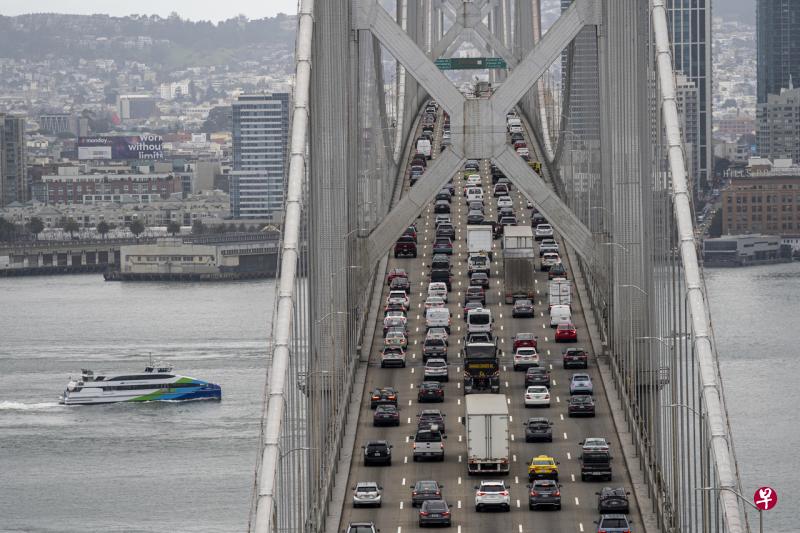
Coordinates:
301 448
688 408
615 244
662 340
638 288
745 500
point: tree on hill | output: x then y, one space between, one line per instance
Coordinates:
70 226
136 227
36 226
103 228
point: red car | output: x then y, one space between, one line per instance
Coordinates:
396 273
525 339
566 332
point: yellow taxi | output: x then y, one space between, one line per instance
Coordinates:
543 467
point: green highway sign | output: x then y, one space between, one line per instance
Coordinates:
466 63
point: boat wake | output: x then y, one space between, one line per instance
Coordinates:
19 406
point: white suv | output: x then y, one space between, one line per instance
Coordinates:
492 494
437 288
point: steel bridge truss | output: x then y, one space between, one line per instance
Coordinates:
619 199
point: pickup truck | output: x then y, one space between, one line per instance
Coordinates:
428 444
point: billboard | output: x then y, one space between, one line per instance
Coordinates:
121 147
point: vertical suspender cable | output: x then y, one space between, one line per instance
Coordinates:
718 435
282 321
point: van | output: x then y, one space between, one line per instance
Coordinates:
474 194
424 148
479 320
559 314
437 317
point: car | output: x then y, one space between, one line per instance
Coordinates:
522 308
442 218
377 452
479 263
443 245
440 262
430 391
544 492
386 415
538 429
479 337
613 500
525 339
500 189
538 218
549 260
436 369
444 195
505 212
434 512
543 231
422 491
492 493
475 293
393 356
548 245
504 201
537 396
434 346
431 419
446 229
595 444
566 332
367 494
396 273
394 307
580 405
508 221
575 357
434 301
537 376
394 320
613 523
475 217
441 206
505 181
437 289
525 357
473 180
543 467
557 271
405 247
442 275
428 444
361 527
479 279
529 204
472 304
476 205
383 396
581 384
400 284
396 337
411 231
399 297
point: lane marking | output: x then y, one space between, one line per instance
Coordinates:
459 480
411 387
514 460
580 525
558 399
562 416
409 419
572 476
517 504
406 441
459 460
459 506
405 460
569 455
565 436
403 482
554 383
516 480
459 402
401 505
576 501
520 528
459 438
512 437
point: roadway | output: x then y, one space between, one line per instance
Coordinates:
579 503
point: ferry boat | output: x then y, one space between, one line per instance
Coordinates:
156 383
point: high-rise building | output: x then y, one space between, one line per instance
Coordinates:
260 145
14 185
687 102
136 106
779 125
690 34
778 36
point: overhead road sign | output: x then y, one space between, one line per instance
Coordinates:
467 63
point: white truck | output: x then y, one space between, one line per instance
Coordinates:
560 292
519 264
479 248
487 434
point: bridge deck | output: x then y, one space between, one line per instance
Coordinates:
579 502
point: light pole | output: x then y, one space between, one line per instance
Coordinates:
745 500
688 408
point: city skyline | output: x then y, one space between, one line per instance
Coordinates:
185 9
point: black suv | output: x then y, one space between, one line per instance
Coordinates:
575 358
425 490
613 500
444 276
538 429
383 396
377 452
430 391
580 405
537 375
430 417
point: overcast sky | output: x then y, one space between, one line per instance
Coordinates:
191 9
